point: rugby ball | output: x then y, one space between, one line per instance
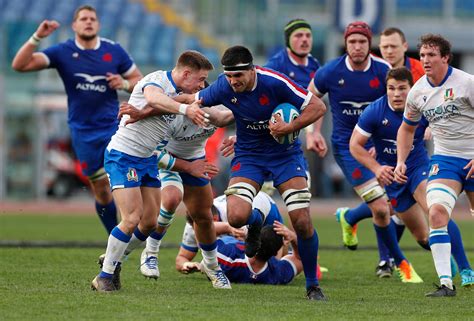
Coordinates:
288 113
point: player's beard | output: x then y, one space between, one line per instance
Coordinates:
360 62
87 37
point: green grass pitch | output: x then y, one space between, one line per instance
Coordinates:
53 283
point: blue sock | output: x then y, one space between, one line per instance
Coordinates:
384 252
108 215
457 247
354 215
389 237
157 236
399 230
308 251
256 217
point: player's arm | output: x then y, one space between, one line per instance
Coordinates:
26 59
313 111
125 83
225 228
200 168
156 98
314 139
219 117
405 136
184 262
383 173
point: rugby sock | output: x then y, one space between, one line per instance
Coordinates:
354 215
116 245
457 247
108 215
137 239
153 242
389 237
399 226
308 251
384 253
440 244
165 218
256 217
209 255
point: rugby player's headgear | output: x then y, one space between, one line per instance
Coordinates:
292 26
359 27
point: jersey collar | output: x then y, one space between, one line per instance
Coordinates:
78 45
294 62
168 74
348 64
450 71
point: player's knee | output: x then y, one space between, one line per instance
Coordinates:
244 191
441 199
170 201
371 192
438 216
237 219
296 199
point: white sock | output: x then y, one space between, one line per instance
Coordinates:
113 254
209 258
132 245
152 245
440 245
397 220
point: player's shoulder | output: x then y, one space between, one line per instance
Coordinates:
458 73
376 108
331 66
379 62
277 59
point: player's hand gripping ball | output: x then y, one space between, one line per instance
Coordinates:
288 113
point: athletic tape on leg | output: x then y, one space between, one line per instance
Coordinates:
243 190
437 193
296 198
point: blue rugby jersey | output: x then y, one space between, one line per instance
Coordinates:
380 122
350 91
300 74
253 109
92 104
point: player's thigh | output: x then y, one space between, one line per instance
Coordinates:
374 195
198 200
354 172
420 195
470 197
130 205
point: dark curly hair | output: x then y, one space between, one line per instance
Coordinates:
270 243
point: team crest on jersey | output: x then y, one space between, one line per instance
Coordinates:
434 170
264 100
107 57
449 94
374 83
132 175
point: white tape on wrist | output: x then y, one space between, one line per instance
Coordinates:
182 109
34 39
309 128
125 84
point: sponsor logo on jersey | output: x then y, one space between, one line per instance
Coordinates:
359 107
292 74
442 112
75 55
425 98
434 170
374 83
258 125
449 94
385 122
132 175
234 100
90 83
341 82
